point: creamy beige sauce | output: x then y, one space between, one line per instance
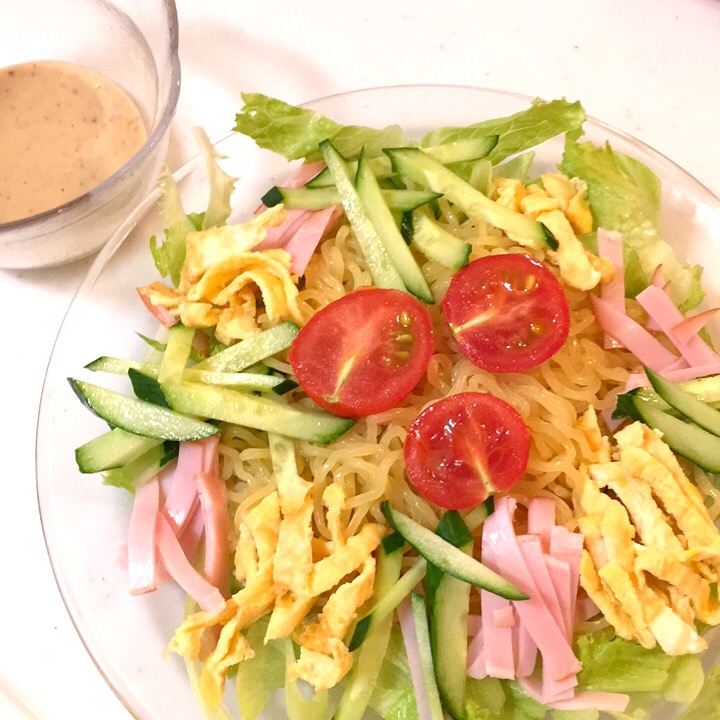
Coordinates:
63 130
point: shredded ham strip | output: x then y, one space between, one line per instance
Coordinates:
648 350
660 307
190 580
141 558
213 503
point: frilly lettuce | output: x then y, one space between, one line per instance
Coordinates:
170 255
612 664
624 195
295 132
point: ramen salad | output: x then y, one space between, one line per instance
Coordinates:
430 434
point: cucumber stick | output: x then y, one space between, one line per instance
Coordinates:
413 163
385 605
683 437
449 603
448 558
419 616
261 413
319 198
377 210
381 266
140 417
251 351
112 449
368 661
177 352
380 165
685 402
238 380
436 243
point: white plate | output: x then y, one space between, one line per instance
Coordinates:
85 523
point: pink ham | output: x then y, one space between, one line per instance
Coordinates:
161 314
648 350
567 547
213 503
193 458
410 640
660 307
526 651
610 245
308 235
541 519
497 640
476 657
142 566
559 662
190 580
278 237
691 326
585 700
504 617
640 379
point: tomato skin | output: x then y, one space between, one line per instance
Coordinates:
465 446
364 353
508 313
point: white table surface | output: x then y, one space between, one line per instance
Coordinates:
648 67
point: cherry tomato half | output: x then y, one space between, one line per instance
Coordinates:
508 313
465 446
364 353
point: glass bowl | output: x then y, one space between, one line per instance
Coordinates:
133 43
85 523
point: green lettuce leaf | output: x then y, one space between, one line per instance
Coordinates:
394 679
221 184
707 703
519 132
295 132
258 676
624 195
170 255
405 707
616 665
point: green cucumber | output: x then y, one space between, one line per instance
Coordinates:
385 605
448 558
400 254
686 439
436 243
319 198
239 380
705 388
380 165
462 150
384 272
252 350
421 168
261 413
449 603
142 469
685 402
112 449
368 661
140 417
427 666
177 352
147 388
